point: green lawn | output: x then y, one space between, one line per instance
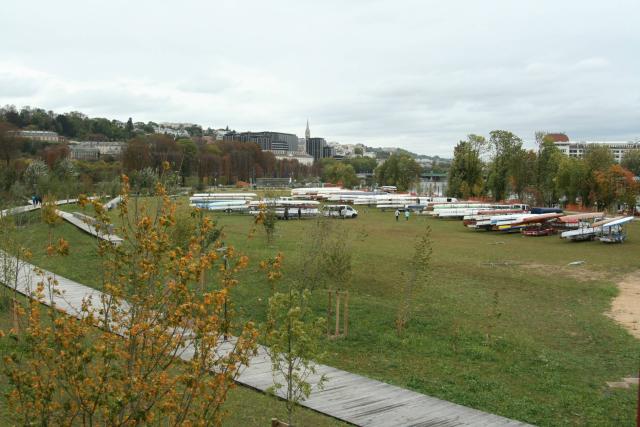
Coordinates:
552 351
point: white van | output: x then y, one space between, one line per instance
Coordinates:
339 211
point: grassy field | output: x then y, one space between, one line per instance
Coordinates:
552 347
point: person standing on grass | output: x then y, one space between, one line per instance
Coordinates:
406 215
286 213
299 213
397 214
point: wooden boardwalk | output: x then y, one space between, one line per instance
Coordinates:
346 396
113 203
30 207
88 228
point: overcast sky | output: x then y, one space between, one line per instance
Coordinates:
416 74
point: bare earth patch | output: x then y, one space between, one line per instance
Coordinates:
577 272
625 308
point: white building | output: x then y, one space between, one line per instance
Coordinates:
302 158
175 125
104 148
220 133
371 154
425 163
38 135
349 150
176 133
302 145
177 130
433 184
578 148
87 154
338 149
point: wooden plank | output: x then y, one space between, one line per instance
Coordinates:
113 203
90 229
30 207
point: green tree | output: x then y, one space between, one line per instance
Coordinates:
128 127
340 173
36 171
136 155
540 137
400 170
65 170
362 164
504 146
631 161
313 246
522 172
417 274
465 173
358 151
548 164
189 152
598 159
101 129
293 337
9 143
571 179
337 260
194 130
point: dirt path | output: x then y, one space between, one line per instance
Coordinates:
625 308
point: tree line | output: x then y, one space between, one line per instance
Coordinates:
501 168
78 125
223 162
71 125
399 169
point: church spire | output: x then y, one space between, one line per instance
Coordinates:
307 132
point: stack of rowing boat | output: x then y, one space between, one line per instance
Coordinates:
227 202
518 218
380 199
608 230
469 210
247 203
286 207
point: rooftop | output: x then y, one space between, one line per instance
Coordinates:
601 142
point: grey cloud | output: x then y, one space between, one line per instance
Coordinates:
14 85
420 74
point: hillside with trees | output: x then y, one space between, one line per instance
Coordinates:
31 166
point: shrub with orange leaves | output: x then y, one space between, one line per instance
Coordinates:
268 218
273 268
145 350
615 185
